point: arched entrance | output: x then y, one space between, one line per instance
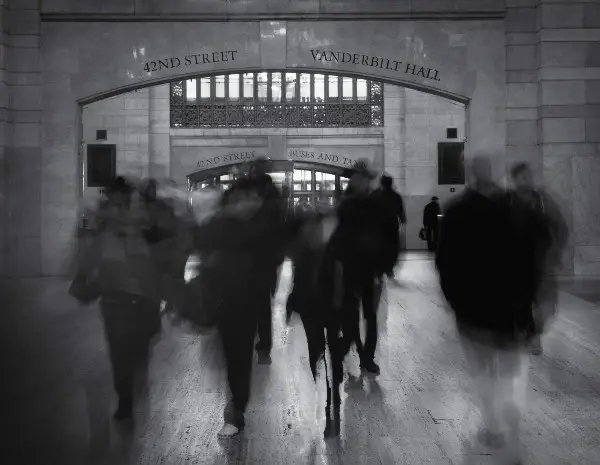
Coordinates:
461 60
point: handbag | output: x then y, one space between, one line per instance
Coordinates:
85 288
423 234
201 305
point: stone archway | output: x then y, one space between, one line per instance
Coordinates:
461 60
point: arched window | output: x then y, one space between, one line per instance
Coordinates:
276 100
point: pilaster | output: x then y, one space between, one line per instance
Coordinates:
569 121
23 155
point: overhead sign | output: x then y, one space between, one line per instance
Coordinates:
372 61
187 61
343 158
228 159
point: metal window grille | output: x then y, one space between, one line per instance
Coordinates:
196 105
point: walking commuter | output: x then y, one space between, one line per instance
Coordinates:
543 234
394 217
357 247
118 261
167 234
316 297
239 239
490 289
431 223
262 184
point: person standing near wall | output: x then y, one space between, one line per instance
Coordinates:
543 235
431 223
393 217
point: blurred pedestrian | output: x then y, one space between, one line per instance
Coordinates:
169 237
118 262
273 209
393 218
431 223
489 286
239 239
357 248
543 233
317 298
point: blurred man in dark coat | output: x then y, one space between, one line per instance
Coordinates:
431 223
120 262
543 234
239 238
358 248
274 210
489 286
393 217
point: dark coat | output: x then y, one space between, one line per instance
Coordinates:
540 226
430 215
357 241
392 206
485 279
314 270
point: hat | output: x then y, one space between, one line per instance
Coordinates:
362 167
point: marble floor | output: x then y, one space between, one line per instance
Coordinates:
58 399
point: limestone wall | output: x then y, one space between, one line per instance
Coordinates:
552 111
21 107
126 118
545 52
252 8
569 120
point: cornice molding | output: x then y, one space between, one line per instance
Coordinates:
217 17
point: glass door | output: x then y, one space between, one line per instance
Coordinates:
302 187
343 183
279 178
325 190
226 181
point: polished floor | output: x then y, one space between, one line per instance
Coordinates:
58 398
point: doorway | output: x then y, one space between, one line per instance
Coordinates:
319 186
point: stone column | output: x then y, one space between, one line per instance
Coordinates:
569 121
394 131
23 157
159 139
135 157
521 84
5 131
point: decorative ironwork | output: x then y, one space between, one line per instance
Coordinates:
376 116
278 115
176 94
333 115
376 96
194 105
219 115
249 116
205 115
306 116
292 119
